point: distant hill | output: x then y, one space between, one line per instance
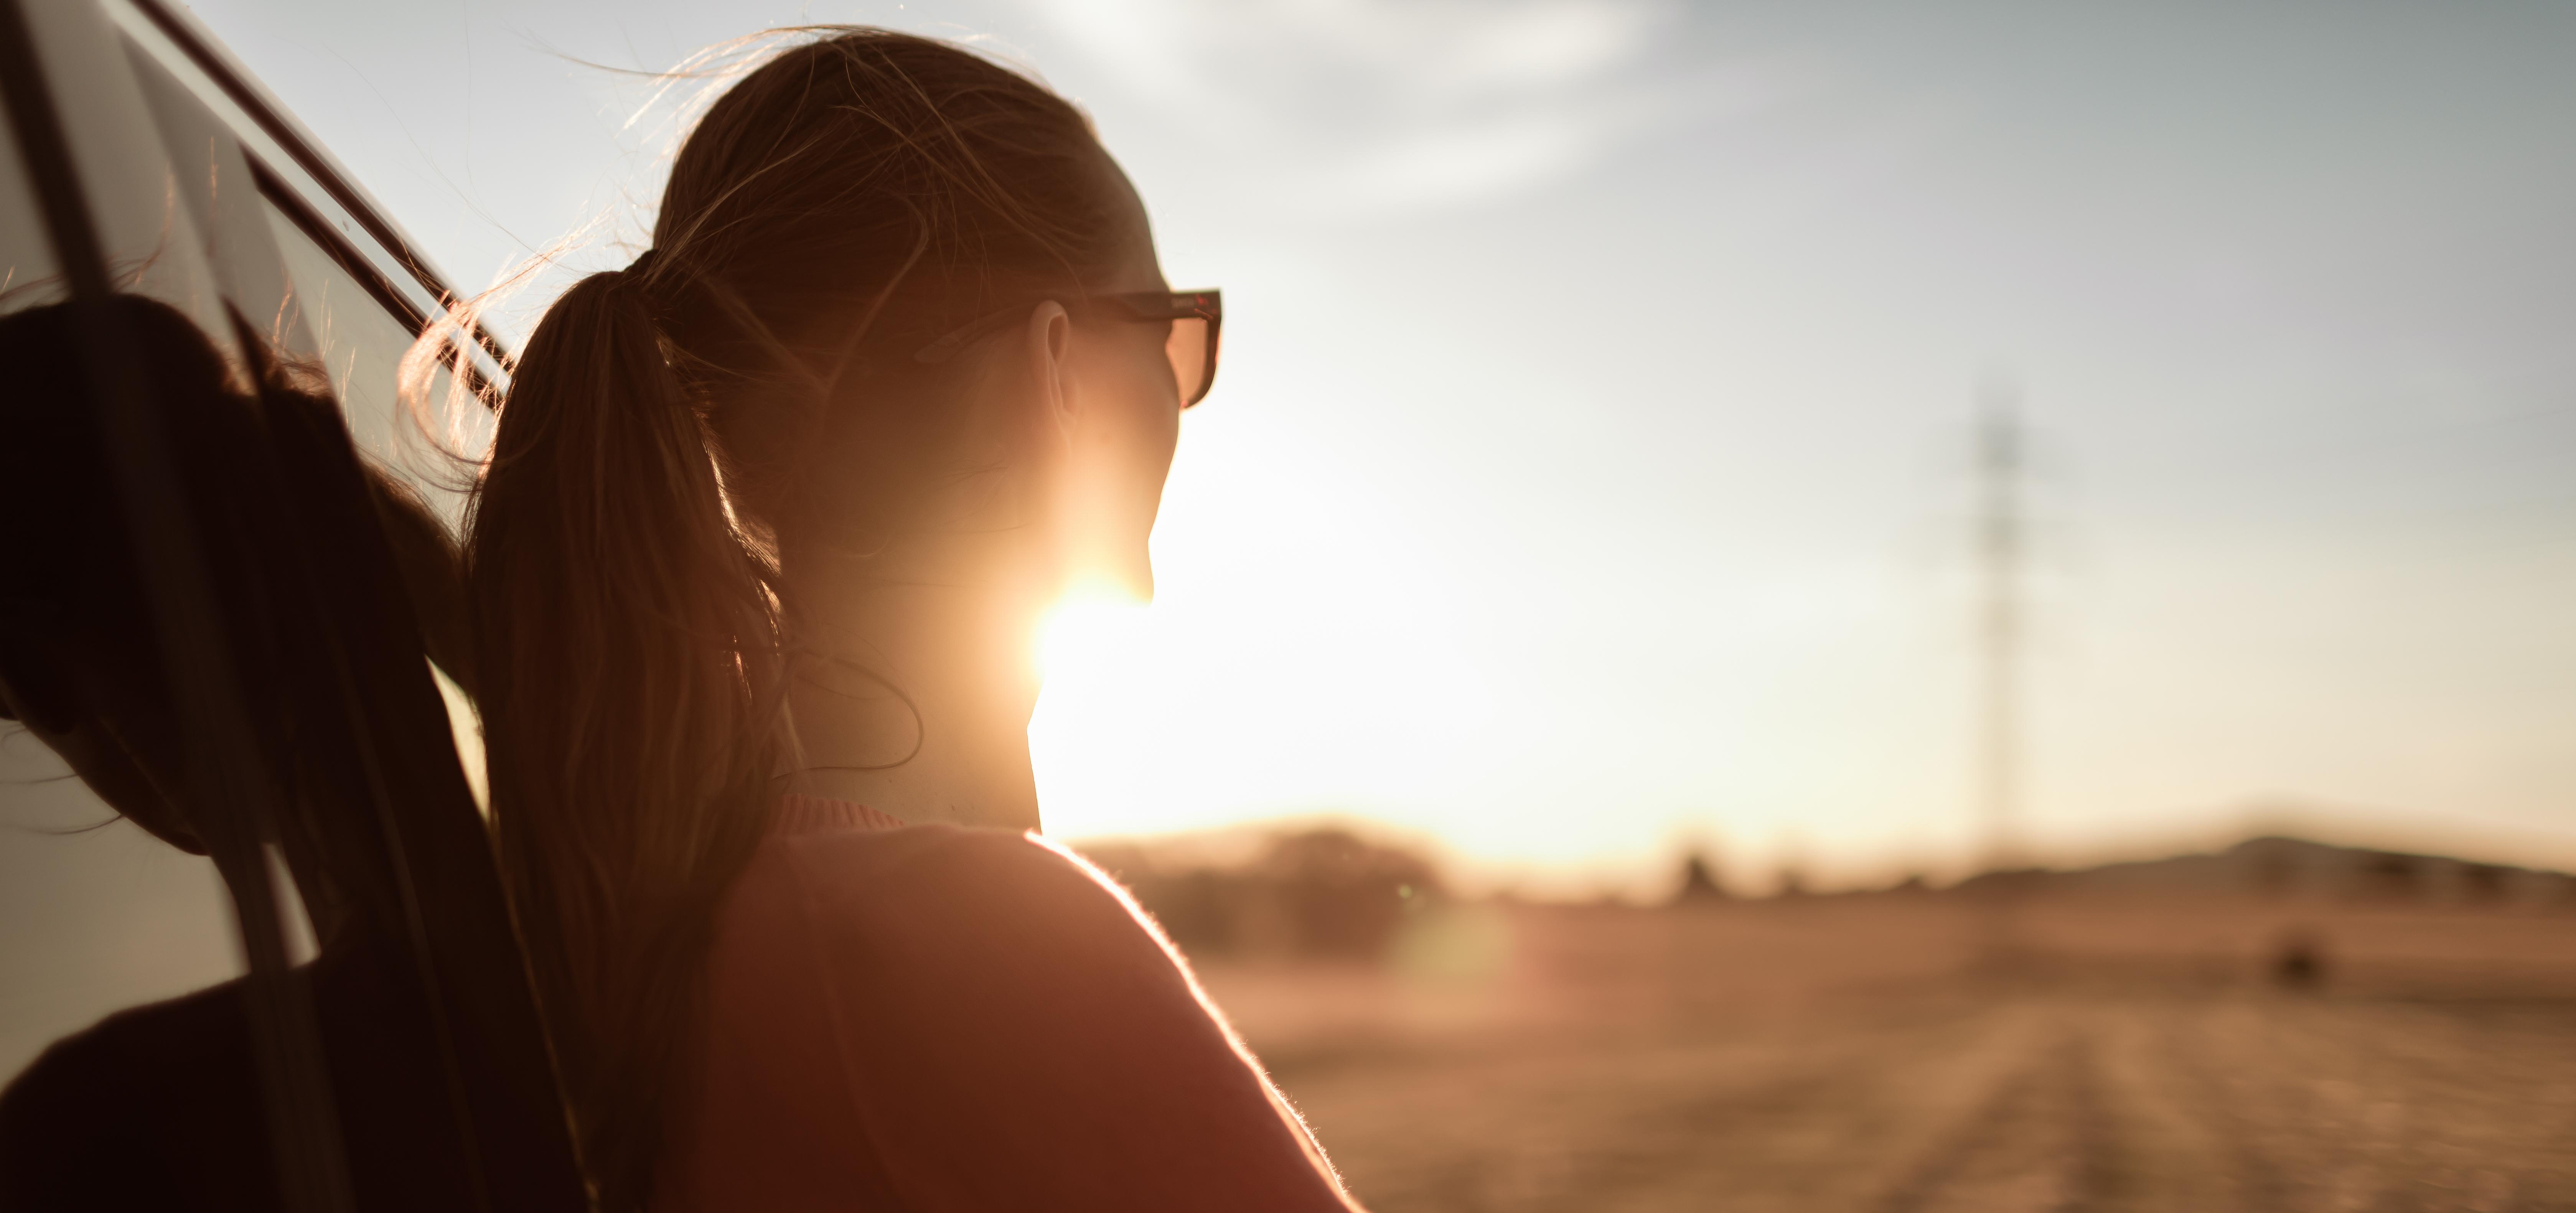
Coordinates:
2277 865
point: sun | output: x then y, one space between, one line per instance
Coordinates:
1097 657
1083 636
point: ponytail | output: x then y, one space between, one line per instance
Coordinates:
629 658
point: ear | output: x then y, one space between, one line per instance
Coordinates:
1048 345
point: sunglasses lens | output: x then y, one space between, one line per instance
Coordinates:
1192 349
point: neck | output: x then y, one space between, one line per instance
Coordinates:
961 656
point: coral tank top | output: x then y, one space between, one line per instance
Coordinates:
929 1018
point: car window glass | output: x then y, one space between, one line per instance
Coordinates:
362 345
288 274
28 276
95 914
152 243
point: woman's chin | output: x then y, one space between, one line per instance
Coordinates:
1107 574
1122 586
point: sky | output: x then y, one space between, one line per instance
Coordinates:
1588 474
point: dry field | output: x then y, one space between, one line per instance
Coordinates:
1867 1053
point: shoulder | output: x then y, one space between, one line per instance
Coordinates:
77 1078
923 851
1004 960
949 897
57 1119
939 957
978 940
93 1121
206 1026
966 995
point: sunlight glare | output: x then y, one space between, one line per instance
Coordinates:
1081 636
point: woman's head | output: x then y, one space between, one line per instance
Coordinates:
81 658
80 662
850 204
902 322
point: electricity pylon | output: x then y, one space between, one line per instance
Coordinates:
2001 544
2000 535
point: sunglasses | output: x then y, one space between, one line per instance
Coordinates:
1195 317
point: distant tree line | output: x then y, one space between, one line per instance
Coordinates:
1320 893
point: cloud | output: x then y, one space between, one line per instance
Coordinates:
1462 163
1362 107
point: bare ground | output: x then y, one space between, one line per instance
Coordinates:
1857 1057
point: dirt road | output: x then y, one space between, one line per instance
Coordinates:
1863 1055
2244 1100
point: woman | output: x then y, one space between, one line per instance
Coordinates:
770 518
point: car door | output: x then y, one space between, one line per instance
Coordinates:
140 162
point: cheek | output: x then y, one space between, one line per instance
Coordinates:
1164 438
1140 428
1157 429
